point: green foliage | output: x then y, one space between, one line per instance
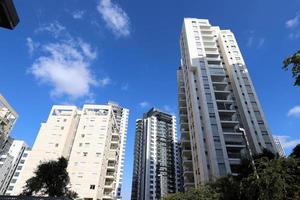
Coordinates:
227 187
274 178
203 192
293 60
296 152
50 179
273 181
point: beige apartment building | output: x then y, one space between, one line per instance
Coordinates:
92 139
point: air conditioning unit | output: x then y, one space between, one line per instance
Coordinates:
8 14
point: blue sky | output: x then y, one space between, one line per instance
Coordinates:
72 52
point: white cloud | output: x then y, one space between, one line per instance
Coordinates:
261 42
78 14
293 23
295 111
65 67
55 28
250 41
104 81
293 26
254 40
287 142
115 17
31 45
144 104
294 35
87 50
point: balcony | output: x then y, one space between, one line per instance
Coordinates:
234 161
223 95
186 151
225 106
185 138
221 86
107 197
210 44
208 38
115 134
206 33
183 116
108 184
114 138
229 124
114 146
205 27
226 114
218 78
187 172
184 126
182 108
211 49
234 155
111 165
110 175
187 163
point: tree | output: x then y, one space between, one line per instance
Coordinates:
227 187
203 192
50 179
271 177
296 152
293 60
278 179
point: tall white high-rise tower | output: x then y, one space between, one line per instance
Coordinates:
218 106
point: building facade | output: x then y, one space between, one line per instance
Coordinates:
156 157
217 101
9 163
90 138
16 173
279 146
8 118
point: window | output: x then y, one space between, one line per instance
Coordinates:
92 187
85 153
10 188
22 161
56 145
62 128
